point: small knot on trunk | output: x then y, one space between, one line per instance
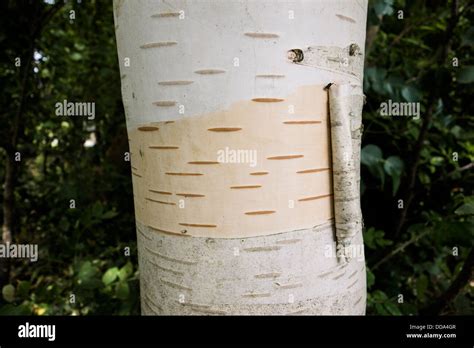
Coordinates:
295 55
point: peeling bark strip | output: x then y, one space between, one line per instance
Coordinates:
345 103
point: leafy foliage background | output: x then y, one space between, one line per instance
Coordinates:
421 252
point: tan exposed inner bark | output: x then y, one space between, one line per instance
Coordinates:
288 188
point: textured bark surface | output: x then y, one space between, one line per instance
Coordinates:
184 60
345 102
287 273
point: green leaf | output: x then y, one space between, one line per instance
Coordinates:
411 94
383 7
437 160
456 131
10 309
393 166
380 296
79 46
466 74
122 290
375 78
463 305
421 286
126 271
370 279
468 37
424 178
23 288
371 156
369 235
8 293
465 209
92 284
380 309
76 56
87 271
110 275
109 214
392 308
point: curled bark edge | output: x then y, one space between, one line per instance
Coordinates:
345 109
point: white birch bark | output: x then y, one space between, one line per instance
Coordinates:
200 75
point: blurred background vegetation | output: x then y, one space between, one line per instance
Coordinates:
417 175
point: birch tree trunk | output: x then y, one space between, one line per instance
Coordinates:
230 131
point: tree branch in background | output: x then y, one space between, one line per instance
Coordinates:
400 248
370 36
413 170
16 130
464 276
